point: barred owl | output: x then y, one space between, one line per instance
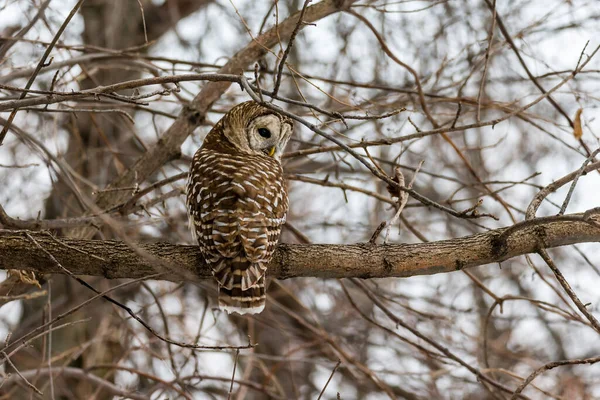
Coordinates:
237 201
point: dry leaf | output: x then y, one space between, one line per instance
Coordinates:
577 131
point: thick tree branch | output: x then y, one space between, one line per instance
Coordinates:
161 18
115 259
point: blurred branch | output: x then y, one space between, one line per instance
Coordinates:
51 97
549 366
6 46
115 259
76 373
513 46
590 216
286 53
156 22
39 66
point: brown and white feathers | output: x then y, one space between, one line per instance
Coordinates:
237 201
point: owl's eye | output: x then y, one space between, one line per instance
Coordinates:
264 132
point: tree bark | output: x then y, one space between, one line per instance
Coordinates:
113 259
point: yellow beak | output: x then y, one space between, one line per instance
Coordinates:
271 151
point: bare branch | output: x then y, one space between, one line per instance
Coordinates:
114 259
39 66
76 373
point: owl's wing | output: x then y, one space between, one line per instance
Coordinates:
260 213
211 207
237 208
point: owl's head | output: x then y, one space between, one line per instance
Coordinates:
255 129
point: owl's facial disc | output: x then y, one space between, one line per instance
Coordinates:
268 135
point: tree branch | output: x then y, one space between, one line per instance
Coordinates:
114 259
77 373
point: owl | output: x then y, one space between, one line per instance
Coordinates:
237 201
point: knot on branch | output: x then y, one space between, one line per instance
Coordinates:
498 244
394 190
194 117
592 217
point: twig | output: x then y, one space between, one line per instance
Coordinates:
50 339
569 290
81 374
7 358
548 367
458 111
29 337
461 128
142 374
487 61
480 375
580 172
257 82
85 110
108 90
377 232
533 79
289 48
143 22
329 380
8 44
402 199
141 193
39 66
25 296
542 194
237 354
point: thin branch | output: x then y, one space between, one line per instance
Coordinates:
8 44
52 97
329 380
549 366
533 79
578 174
402 199
554 186
286 53
237 354
487 61
29 384
569 290
39 66
80 374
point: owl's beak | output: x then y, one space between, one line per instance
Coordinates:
271 151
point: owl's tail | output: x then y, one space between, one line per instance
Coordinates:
249 301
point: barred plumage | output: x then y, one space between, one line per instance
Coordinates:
237 201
